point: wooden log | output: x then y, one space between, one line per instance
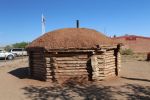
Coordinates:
47 58
38 64
110 57
72 62
73 71
109 67
38 61
68 71
69 58
39 70
72 65
111 63
71 74
49 77
71 68
112 60
40 74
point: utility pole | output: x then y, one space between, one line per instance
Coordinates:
43 24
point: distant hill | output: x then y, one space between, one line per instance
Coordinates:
138 44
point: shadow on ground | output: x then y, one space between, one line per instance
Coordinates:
71 91
136 79
20 73
75 91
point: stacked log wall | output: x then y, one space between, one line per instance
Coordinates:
63 66
66 66
98 66
110 65
104 65
37 65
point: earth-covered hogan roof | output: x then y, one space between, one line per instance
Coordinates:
71 38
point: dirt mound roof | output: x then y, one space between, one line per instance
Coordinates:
71 38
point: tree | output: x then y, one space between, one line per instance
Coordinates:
16 45
20 45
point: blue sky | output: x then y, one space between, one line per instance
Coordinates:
20 20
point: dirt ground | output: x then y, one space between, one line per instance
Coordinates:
132 84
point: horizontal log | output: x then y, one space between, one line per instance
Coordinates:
40 74
67 70
109 53
72 65
107 61
37 61
39 71
39 67
71 74
38 64
37 56
100 62
101 76
63 77
50 68
47 58
37 52
73 71
110 57
111 63
72 62
48 62
101 57
50 74
70 58
110 67
49 77
71 68
106 70
60 78
110 71
49 65
50 71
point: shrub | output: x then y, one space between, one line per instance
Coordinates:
126 52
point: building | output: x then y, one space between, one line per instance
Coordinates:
73 53
137 44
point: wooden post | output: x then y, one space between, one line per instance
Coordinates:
117 59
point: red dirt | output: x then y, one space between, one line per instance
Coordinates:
71 38
138 44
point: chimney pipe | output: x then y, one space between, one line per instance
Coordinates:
77 23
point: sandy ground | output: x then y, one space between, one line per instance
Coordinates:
132 84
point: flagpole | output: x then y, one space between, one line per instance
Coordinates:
43 24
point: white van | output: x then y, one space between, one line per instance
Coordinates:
19 51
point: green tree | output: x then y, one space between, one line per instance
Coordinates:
20 45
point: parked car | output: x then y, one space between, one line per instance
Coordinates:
19 51
7 55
